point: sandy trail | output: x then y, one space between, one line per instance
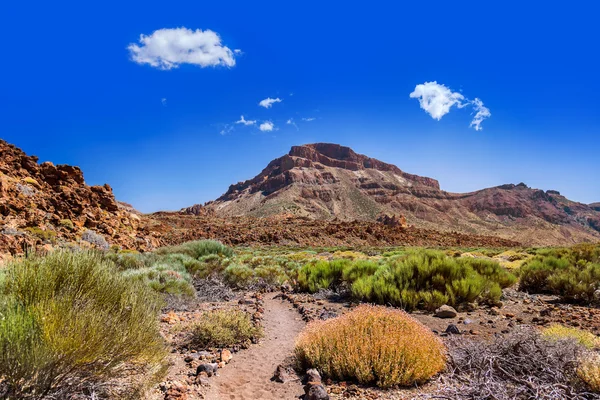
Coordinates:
248 375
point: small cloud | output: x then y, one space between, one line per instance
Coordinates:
168 48
245 122
268 102
266 126
291 94
226 129
308 119
482 113
238 52
436 99
291 122
164 101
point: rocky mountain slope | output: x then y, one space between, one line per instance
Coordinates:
43 206
326 181
47 203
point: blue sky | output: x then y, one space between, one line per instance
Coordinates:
72 91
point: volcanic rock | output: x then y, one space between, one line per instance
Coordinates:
324 181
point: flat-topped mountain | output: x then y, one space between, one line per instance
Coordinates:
327 181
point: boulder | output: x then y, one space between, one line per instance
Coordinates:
446 311
209 368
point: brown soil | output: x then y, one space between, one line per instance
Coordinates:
248 375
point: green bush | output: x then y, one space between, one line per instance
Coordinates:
573 274
70 318
198 248
239 275
67 223
224 328
47 234
165 277
416 279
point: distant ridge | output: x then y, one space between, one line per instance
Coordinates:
327 181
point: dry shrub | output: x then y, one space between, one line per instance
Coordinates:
372 345
224 328
589 372
520 365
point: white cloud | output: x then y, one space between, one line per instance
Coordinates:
437 99
245 122
482 113
168 48
266 126
268 102
308 119
226 129
238 51
164 101
291 122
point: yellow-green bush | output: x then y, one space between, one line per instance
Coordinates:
69 318
224 328
589 372
559 332
67 223
372 345
40 233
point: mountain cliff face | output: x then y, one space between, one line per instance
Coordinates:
47 203
326 181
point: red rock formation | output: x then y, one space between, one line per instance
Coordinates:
324 181
47 203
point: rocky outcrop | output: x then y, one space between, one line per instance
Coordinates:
48 204
329 181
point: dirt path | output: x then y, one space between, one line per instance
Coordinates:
248 375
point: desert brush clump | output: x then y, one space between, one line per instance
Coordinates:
95 239
521 365
164 277
224 328
561 332
589 372
198 249
417 279
70 318
372 345
572 273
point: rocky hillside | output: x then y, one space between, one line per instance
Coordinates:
325 181
47 204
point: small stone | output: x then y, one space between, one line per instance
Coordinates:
203 381
209 368
494 311
226 355
446 311
282 374
452 330
312 375
315 391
